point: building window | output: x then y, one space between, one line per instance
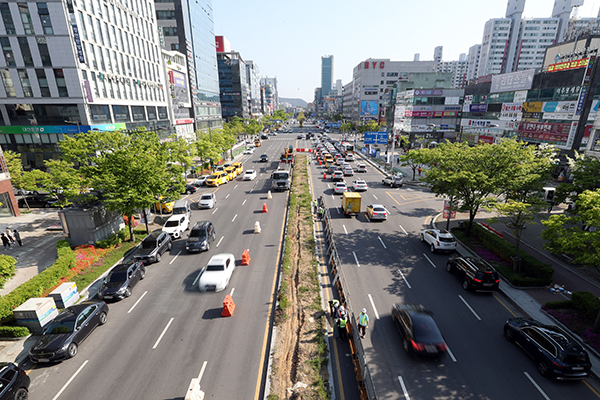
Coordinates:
26 18
115 62
43 82
61 83
174 46
169 31
91 26
8 53
81 26
121 113
25 51
99 28
138 113
45 18
101 58
8 83
25 83
165 14
95 84
9 25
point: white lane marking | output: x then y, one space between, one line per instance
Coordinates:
406 233
220 241
375 197
469 307
383 244
430 262
70 380
338 210
245 201
356 259
234 217
345 230
405 281
333 197
175 258
202 371
328 186
197 277
536 386
215 210
450 353
373 304
136 303
234 188
406 396
232 290
162 334
227 195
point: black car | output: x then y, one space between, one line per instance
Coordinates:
200 237
420 334
475 273
37 201
264 136
556 354
14 382
72 326
120 280
189 189
153 246
264 158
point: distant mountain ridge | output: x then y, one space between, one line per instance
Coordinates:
294 102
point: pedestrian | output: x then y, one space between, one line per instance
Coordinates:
551 205
419 169
9 235
17 236
341 324
333 307
5 242
363 323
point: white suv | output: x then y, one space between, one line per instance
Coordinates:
176 225
438 240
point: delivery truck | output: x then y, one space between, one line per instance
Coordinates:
351 203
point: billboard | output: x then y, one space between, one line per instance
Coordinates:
369 107
513 81
563 66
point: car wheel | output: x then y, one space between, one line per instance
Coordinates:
432 248
128 291
448 267
508 334
170 246
406 346
21 394
422 237
207 246
102 318
158 257
466 285
542 367
72 350
142 274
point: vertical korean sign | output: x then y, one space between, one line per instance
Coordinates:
75 31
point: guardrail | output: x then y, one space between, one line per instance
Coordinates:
361 368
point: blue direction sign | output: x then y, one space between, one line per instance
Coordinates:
376 137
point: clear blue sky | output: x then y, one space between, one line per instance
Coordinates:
287 39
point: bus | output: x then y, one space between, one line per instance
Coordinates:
346 148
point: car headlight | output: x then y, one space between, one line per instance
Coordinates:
121 291
64 347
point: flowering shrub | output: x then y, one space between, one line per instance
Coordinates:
578 323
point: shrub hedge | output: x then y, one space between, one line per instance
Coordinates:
7 268
587 303
14 331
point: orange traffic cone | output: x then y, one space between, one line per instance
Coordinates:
324 175
246 257
265 208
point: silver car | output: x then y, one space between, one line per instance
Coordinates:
208 200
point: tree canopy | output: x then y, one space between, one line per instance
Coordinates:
585 171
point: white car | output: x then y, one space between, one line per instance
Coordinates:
348 172
249 151
250 175
208 200
438 240
349 157
176 225
340 188
217 273
359 185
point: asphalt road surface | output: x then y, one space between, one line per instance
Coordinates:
385 263
168 332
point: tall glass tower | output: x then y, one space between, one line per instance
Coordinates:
326 75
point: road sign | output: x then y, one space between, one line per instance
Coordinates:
449 209
376 137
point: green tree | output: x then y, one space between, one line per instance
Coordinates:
206 149
65 182
253 127
346 127
301 118
413 159
15 168
337 117
180 155
131 169
585 171
371 126
475 175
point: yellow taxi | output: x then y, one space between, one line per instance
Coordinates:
328 158
164 205
239 168
216 179
230 171
220 168
257 143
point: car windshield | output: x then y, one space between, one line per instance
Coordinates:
148 244
213 177
206 197
57 328
119 276
380 209
446 239
172 223
280 175
215 268
198 233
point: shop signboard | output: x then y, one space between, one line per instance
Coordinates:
513 81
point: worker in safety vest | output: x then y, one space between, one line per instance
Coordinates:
320 212
363 322
333 307
341 323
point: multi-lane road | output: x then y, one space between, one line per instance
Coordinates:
168 332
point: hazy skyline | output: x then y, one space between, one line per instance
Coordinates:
287 39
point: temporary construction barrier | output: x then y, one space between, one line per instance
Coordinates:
246 257
228 306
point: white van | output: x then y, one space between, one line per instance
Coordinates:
182 207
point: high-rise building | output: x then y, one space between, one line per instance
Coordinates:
271 100
473 62
233 84
326 75
71 67
253 76
187 26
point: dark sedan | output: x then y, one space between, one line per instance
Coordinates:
556 354
120 280
36 201
420 334
14 382
68 330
